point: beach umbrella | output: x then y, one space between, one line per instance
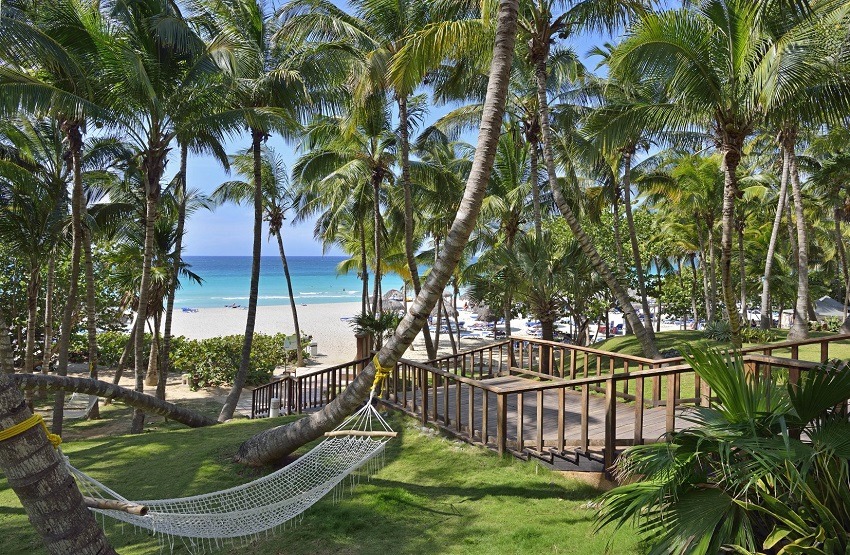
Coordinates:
393 295
393 305
485 314
449 308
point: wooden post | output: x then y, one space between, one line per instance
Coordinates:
585 410
457 405
670 424
519 422
824 351
610 422
562 399
501 423
471 412
539 421
573 364
364 348
423 387
485 413
639 411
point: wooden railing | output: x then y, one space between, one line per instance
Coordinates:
544 399
310 390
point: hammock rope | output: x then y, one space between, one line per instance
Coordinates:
266 503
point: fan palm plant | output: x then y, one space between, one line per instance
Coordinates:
765 469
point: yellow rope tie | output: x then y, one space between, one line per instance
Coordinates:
25 425
381 374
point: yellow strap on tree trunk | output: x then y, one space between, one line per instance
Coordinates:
381 373
25 425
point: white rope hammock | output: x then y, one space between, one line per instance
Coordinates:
265 503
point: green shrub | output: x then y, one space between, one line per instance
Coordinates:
830 324
718 331
209 362
214 361
757 335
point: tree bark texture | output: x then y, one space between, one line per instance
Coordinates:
627 202
274 444
47 354
7 365
766 309
165 352
299 352
33 287
75 145
242 374
409 222
129 397
39 477
643 336
731 158
91 316
800 326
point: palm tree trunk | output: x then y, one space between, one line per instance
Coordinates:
277 442
7 365
152 375
91 317
742 269
731 158
75 145
129 397
165 352
703 256
800 327
377 177
712 274
241 375
47 353
842 254
299 352
766 312
409 253
618 241
627 202
40 478
364 271
122 361
449 325
33 287
644 337
694 291
535 187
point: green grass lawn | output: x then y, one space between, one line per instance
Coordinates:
434 495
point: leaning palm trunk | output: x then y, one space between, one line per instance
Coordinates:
75 145
129 397
273 444
165 352
241 375
766 312
409 253
643 336
299 353
800 326
91 323
627 191
731 158
39 477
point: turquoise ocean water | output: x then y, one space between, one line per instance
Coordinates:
227 281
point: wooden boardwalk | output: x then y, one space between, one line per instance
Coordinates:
654 419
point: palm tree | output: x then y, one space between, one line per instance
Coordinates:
269 95
277 442
719 72
51 66
277 199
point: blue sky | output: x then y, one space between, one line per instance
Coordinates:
228 230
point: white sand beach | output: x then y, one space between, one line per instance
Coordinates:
333 335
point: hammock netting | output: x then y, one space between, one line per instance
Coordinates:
263 504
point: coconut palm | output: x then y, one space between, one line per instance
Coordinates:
277 200
276 442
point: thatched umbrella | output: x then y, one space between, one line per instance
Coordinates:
485 314
393 295
393 305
